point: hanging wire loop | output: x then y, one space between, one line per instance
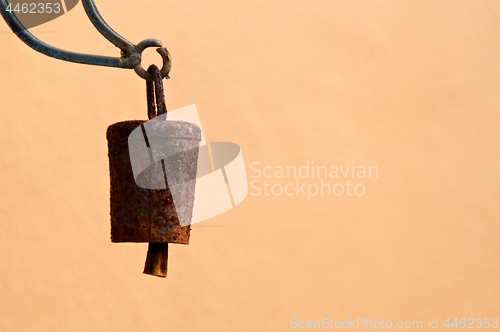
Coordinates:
167 64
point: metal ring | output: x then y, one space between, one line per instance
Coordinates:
167 62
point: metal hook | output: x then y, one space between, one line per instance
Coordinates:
130 53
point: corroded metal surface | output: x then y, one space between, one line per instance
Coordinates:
129 203
143 215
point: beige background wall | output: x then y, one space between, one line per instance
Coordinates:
409 86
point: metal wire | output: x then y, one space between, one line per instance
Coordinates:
158 94
130 53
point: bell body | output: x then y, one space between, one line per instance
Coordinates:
153 177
